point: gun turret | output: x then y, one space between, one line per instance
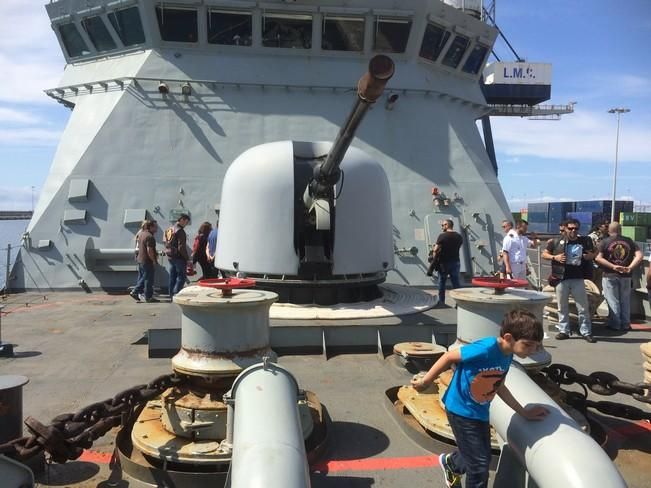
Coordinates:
369 88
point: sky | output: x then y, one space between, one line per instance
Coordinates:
600 57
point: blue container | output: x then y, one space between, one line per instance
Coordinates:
626 205
539 227
591 206
539 217
585 218
561 207
539 208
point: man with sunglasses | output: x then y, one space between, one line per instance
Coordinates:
568 254
618 256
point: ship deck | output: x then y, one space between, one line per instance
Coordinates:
79 348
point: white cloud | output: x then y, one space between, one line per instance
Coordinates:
582 136
595 88
12 116
30 58
17 197
31 136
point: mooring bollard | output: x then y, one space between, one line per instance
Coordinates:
11 403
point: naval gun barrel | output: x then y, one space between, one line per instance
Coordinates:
369 88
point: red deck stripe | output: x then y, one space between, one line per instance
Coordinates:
632 429
95 457
376 464
332 466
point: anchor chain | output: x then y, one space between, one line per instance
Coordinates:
601 383
580 402
69 434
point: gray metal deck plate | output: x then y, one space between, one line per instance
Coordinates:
80 348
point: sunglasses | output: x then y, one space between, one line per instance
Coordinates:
571 228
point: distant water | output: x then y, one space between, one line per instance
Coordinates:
10 233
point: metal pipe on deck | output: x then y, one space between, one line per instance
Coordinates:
555 451
268 444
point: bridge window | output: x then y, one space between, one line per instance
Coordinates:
72 40
391 34
283 30
433 42
230 27
343 33
98 33
177 24
127 24
456 51
475 59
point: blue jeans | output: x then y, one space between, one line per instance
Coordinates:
177 276
450 268
577 288
145 283
617 291
473 455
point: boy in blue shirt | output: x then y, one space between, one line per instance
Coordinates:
478 377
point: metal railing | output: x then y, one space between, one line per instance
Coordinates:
540 268
5 266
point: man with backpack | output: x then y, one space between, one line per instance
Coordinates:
147 260
568 254
177 253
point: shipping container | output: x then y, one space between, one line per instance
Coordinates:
637 233
561 207
538 207
540 227
635 218
604 206
538 217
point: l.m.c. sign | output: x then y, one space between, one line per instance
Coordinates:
518 73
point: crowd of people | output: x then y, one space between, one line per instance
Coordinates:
603 256
181 259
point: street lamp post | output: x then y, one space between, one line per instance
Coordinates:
619 111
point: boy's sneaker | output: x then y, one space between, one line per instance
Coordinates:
452 479
152 300
135 296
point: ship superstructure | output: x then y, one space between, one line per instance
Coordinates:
165 95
